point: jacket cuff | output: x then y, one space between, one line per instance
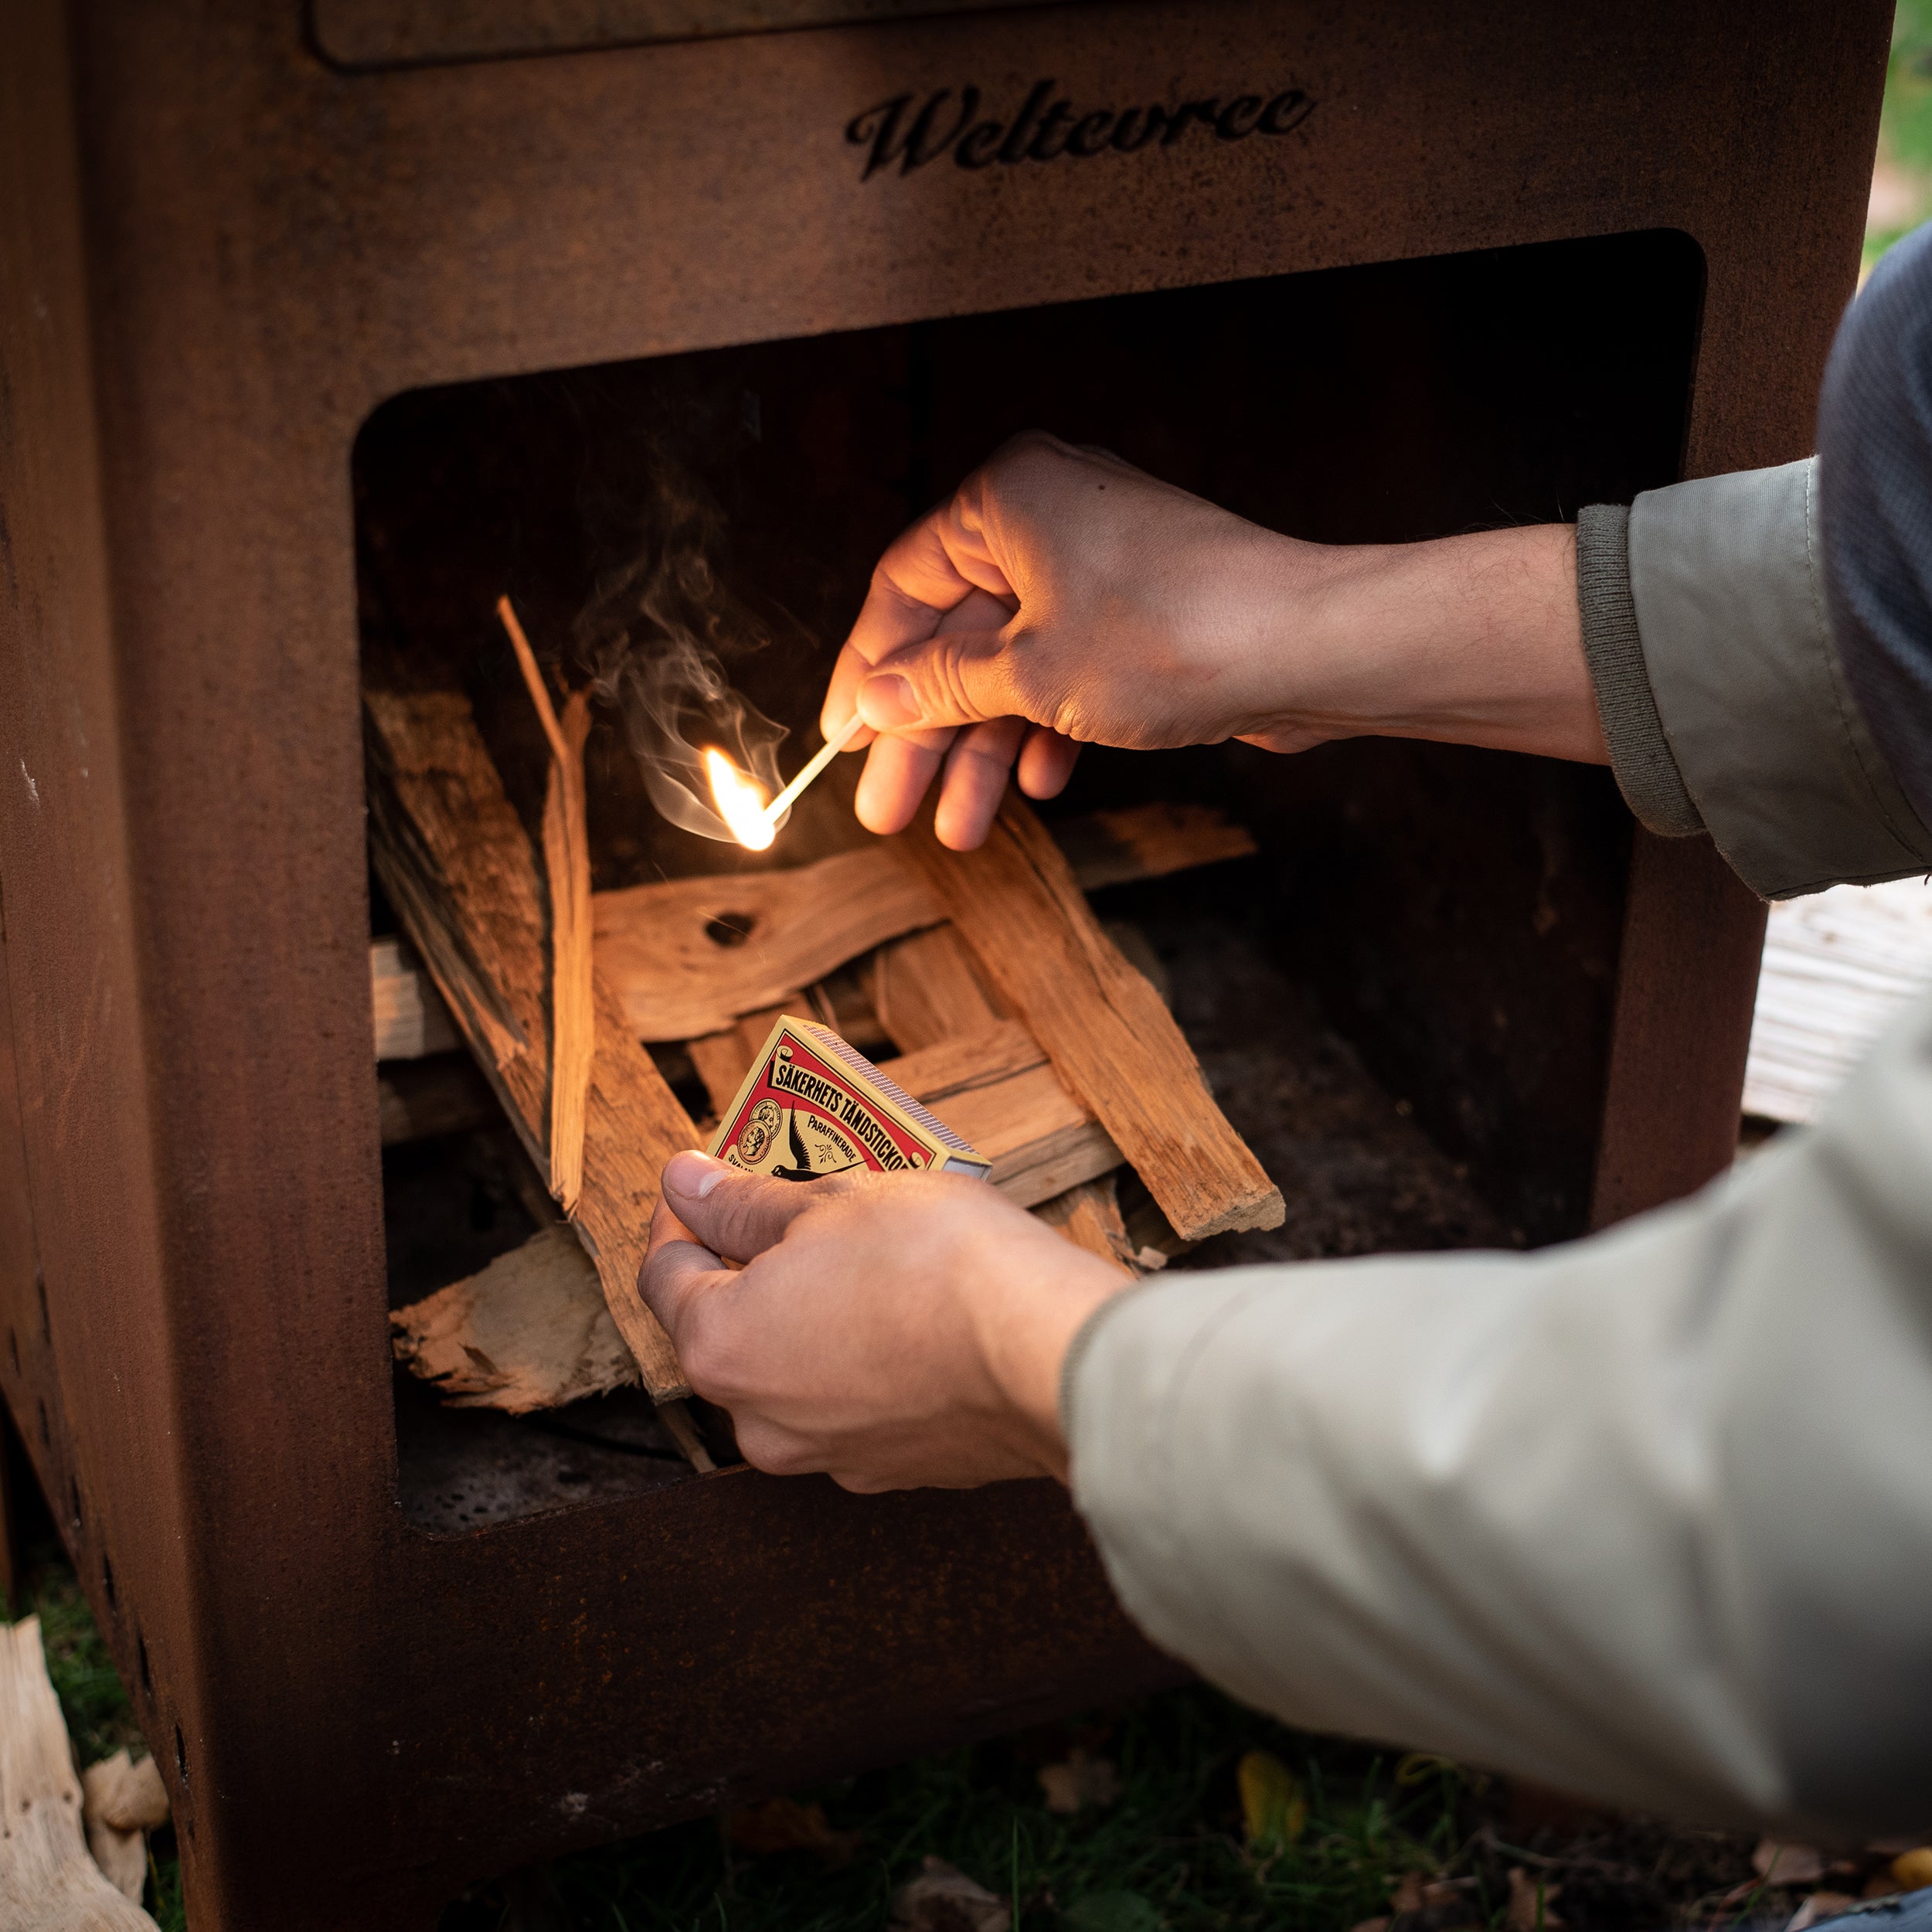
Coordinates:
1639 754
1727 584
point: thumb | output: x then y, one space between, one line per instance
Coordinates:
733 1213
958 678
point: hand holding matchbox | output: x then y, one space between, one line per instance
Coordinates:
811 1105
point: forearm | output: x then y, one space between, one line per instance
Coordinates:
1472 640
1647 1518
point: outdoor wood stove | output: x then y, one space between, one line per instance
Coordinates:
284 289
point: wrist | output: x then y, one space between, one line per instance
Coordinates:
1026 1330
1470 640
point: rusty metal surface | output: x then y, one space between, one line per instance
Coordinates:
375 33
219 256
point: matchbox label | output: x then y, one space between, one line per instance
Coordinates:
812 1106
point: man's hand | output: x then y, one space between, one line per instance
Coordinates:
1063 597
893 1330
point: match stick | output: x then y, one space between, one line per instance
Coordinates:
822 758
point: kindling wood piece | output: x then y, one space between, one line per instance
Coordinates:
927 987
689 957
1016 902
455 862
566 867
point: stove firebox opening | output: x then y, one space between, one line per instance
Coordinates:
1394 960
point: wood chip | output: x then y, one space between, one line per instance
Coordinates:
1015 902
49 1881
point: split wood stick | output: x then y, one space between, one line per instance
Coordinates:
453 859
927 987
690 956
411 1020
1016 902
567 865
1089 1215
48 1881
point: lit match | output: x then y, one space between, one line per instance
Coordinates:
822 758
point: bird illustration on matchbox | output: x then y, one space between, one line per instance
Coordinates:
814 1105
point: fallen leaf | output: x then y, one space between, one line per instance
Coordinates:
942 1899
125 1796
1914 1868
1530 1900
1083 1779
783 1824
1113 1912
1818 1907
1272 1805
121 1802
1777 1863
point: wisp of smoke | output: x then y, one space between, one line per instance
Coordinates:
661 634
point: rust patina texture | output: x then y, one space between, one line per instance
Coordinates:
218 252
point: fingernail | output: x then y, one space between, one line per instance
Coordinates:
692 1175
885 703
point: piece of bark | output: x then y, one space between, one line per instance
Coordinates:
690 956
121 1802
1016 902
530 1331
49 1881
566 868
418 1099
411 1020
453 859
928 987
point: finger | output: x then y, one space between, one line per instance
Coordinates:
897 772
734 1214
975 781
1046 763
956 678
677 1273
929 572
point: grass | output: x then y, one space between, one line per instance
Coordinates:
1171 1851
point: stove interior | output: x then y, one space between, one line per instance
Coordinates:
1401 999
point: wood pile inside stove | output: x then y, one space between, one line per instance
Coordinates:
983 978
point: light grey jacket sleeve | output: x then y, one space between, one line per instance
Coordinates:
1647 1518
1723 699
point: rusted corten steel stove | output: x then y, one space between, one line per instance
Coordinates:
231 232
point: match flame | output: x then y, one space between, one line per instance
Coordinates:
741 800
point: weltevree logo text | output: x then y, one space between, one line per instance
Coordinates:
897 130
